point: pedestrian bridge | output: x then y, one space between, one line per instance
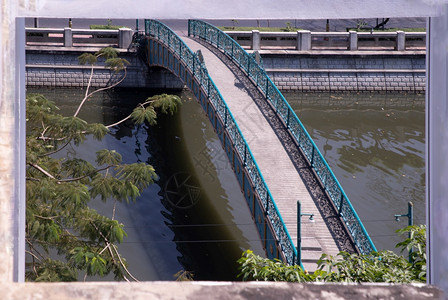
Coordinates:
296 202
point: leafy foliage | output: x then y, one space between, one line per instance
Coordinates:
383 266
63 235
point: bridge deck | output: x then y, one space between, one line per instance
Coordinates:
280 174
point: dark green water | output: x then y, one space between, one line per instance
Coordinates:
195 217
375 145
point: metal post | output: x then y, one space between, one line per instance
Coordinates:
312 157
136 24
410 216
299 230
225 119
299 233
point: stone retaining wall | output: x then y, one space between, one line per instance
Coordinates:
61 69
290 72
332 72
354 81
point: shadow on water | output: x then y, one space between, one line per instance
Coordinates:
375 145
194 217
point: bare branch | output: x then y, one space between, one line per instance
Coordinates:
87 175
41 170
57 150
32 179
99 90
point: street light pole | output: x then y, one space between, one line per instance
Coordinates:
410 216
299 231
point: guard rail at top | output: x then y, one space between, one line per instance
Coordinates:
68 37
257 74
304 40
168 37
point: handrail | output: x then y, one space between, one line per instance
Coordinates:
168 37
326 176
67 37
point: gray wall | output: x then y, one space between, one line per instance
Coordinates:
303 73
61 69
332 72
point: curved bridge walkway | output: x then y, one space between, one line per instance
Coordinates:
284 169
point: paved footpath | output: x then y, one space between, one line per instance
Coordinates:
275 164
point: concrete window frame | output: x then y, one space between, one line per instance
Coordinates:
12 107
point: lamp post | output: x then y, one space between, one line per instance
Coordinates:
299 230
410 216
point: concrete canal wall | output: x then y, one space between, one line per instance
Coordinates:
304 61
53 67
56 67
374 72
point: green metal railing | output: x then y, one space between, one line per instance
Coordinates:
257 74
162 33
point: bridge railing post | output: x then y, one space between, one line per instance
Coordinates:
304 40
256 40
401 40
124 37
353 40
68 37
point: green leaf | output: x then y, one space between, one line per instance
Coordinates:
116 64
140 115
167 103
107 52
97 130
108 157
87 59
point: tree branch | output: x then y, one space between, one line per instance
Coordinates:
109 244
87 175
32 179
121 121
41 170
99 90
86 96
57 150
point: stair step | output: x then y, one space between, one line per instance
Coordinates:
311 256
311 244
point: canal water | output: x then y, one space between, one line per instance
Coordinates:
375 145
194 218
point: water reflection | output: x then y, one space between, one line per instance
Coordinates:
375 145
164 235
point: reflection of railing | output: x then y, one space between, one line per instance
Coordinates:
257 74
306 40
197 68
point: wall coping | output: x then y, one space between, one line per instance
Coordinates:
216 290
